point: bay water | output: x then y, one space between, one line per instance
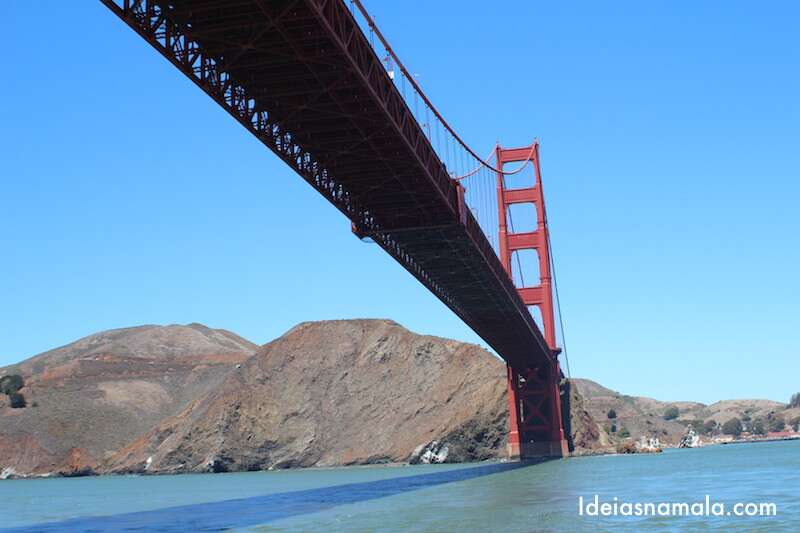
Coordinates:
560 495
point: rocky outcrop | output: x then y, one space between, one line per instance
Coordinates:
336 393
588 436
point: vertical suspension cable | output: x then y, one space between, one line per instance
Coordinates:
428 122
555 278
447 153
515 253
558 298
438 144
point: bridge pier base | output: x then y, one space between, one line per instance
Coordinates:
544 450
538 450
536 428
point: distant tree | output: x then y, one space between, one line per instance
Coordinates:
12 383
759 427
613 428
776 423
16 400
795 423
710 426
696 424
732 427
672 413
612 414
795 401
624 433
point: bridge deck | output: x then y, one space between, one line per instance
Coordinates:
302 77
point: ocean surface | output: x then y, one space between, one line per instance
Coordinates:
463 498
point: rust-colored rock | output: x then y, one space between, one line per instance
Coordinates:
336 393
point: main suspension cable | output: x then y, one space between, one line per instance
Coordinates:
374 29
485 163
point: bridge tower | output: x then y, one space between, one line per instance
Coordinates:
534 398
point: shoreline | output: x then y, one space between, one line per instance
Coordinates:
765 439
585 454
57 475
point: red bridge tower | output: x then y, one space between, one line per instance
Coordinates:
534 397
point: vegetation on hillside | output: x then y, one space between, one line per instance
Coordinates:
732 427
17 400
701 427
772 422
776 422
10 386
12 383
671 413
795 401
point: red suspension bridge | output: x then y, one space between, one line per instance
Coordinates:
320 86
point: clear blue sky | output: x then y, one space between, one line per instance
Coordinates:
670 142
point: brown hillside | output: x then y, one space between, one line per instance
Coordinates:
190 398
645 416
89 398
334 393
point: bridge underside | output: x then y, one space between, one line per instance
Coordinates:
301 76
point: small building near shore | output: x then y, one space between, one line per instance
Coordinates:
783 435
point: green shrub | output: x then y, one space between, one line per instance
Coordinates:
12 383
732 427
17 400
795 401
776 423
624 433
696 424
672 413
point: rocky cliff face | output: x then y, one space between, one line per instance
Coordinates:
336 393
192 399
588 436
